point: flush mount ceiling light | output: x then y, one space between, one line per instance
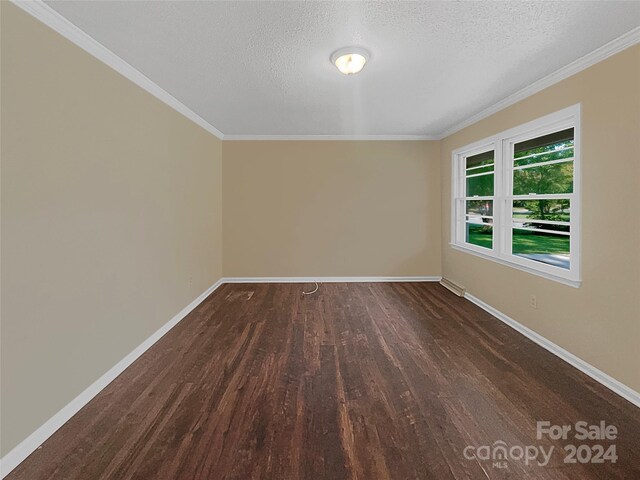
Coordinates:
350 60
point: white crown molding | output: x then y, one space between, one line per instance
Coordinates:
57 22
401 138
12 459
51 18
329 279
615 46
598 375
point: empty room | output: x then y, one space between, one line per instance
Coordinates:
307 240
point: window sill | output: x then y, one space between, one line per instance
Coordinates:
502 261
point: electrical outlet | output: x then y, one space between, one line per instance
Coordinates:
533 301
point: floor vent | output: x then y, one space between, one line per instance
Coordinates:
449 285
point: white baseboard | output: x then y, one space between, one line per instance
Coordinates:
329 279
33 441
598 375
12 459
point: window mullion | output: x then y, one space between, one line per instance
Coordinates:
500 202
459 202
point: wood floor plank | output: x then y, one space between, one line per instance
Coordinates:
357 381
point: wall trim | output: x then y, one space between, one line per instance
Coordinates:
55 21
399 138
51 18
25 448
21 451
60 24
617 45
598 375
329 279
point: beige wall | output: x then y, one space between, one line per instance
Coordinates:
111 220
331 208
111 209
600 321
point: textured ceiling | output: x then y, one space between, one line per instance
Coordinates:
262 68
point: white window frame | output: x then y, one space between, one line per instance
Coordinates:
502 145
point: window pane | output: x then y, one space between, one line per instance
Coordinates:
475 162
547 179
546 143
480 234
550 210
543 247
481 169
541 226
477 208
481 186
559 154
554 146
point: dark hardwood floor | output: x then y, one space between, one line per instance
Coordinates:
368 381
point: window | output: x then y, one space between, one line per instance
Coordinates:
516 197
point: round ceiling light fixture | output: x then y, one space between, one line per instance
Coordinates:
350 60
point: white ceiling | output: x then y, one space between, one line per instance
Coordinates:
262 68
